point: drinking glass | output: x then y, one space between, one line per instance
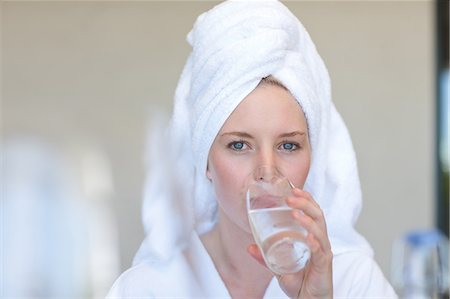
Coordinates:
420 265
278 235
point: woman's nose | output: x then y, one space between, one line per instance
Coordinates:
266 173
267 156
267 162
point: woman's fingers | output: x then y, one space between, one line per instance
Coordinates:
301 193
305 203
314 229
311 217
320 259
306 206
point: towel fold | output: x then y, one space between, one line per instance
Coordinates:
234 46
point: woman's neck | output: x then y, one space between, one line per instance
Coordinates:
243 276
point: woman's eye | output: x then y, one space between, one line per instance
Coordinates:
289 146
237 146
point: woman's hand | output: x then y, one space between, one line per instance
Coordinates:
315 280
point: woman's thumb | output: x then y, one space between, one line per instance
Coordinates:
254 251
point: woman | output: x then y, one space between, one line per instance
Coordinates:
253 92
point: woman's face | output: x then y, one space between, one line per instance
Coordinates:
267 128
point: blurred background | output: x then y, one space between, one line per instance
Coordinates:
81 82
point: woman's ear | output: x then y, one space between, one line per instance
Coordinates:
208 173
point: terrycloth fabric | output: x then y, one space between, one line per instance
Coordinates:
234 45
192 274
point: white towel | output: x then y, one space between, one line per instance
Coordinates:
235 45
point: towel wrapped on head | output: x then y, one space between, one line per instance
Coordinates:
234 46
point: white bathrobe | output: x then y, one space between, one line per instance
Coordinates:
192 274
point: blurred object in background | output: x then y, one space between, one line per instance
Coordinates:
92 171
44 233
58 233
443 110
420 265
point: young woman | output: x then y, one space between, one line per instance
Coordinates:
253 92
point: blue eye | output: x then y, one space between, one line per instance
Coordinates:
237 146
289 146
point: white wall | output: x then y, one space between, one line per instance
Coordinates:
92 71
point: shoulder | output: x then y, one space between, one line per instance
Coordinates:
155 279
134 283
357 275
149 280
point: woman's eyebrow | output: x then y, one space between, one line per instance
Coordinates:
239 134
292 134
247 135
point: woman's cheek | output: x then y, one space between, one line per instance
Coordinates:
230 181
298 169
229 178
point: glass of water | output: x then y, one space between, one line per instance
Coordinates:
278 235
